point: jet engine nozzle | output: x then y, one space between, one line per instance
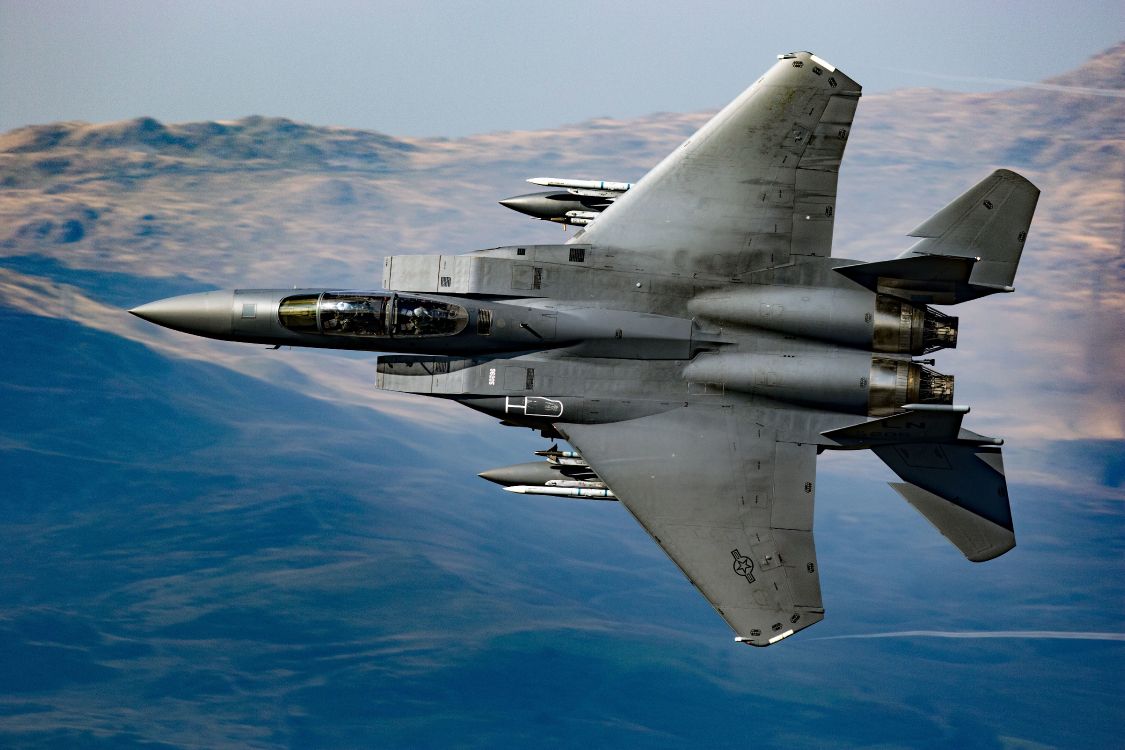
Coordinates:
939 331
895 383
903 328
934 387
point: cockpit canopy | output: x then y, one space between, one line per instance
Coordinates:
371 315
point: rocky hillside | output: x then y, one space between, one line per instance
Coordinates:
267 201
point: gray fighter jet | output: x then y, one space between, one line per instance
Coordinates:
698 347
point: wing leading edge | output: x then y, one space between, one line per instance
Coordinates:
753 187
729 503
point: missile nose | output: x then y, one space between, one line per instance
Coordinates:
203 314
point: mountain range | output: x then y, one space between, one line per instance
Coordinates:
209 544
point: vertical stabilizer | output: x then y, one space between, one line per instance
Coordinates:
989 223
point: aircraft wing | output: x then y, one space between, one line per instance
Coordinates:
753 188
952 476
727 501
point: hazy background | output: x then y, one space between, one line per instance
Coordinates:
454 68
214 545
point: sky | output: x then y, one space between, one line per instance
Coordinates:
454 68
202 556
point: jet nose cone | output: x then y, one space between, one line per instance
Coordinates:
204 314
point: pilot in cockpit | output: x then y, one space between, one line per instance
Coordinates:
421 319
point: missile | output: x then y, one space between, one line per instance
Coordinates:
576 492
611 187
590 485
588 215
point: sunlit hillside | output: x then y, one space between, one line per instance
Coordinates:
205 544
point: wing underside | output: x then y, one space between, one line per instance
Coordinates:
960 489
952 476
729 503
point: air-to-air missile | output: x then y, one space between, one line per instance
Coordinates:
563 474
577 204
575 492
583 187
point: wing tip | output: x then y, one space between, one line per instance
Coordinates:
762 638
994 552
762 642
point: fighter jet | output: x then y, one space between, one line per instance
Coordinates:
698 346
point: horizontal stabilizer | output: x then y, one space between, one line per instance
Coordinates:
978 538
921 279
960 489
920 423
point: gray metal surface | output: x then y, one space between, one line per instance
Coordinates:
978 538
729 503
988 222
698 345
753 187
